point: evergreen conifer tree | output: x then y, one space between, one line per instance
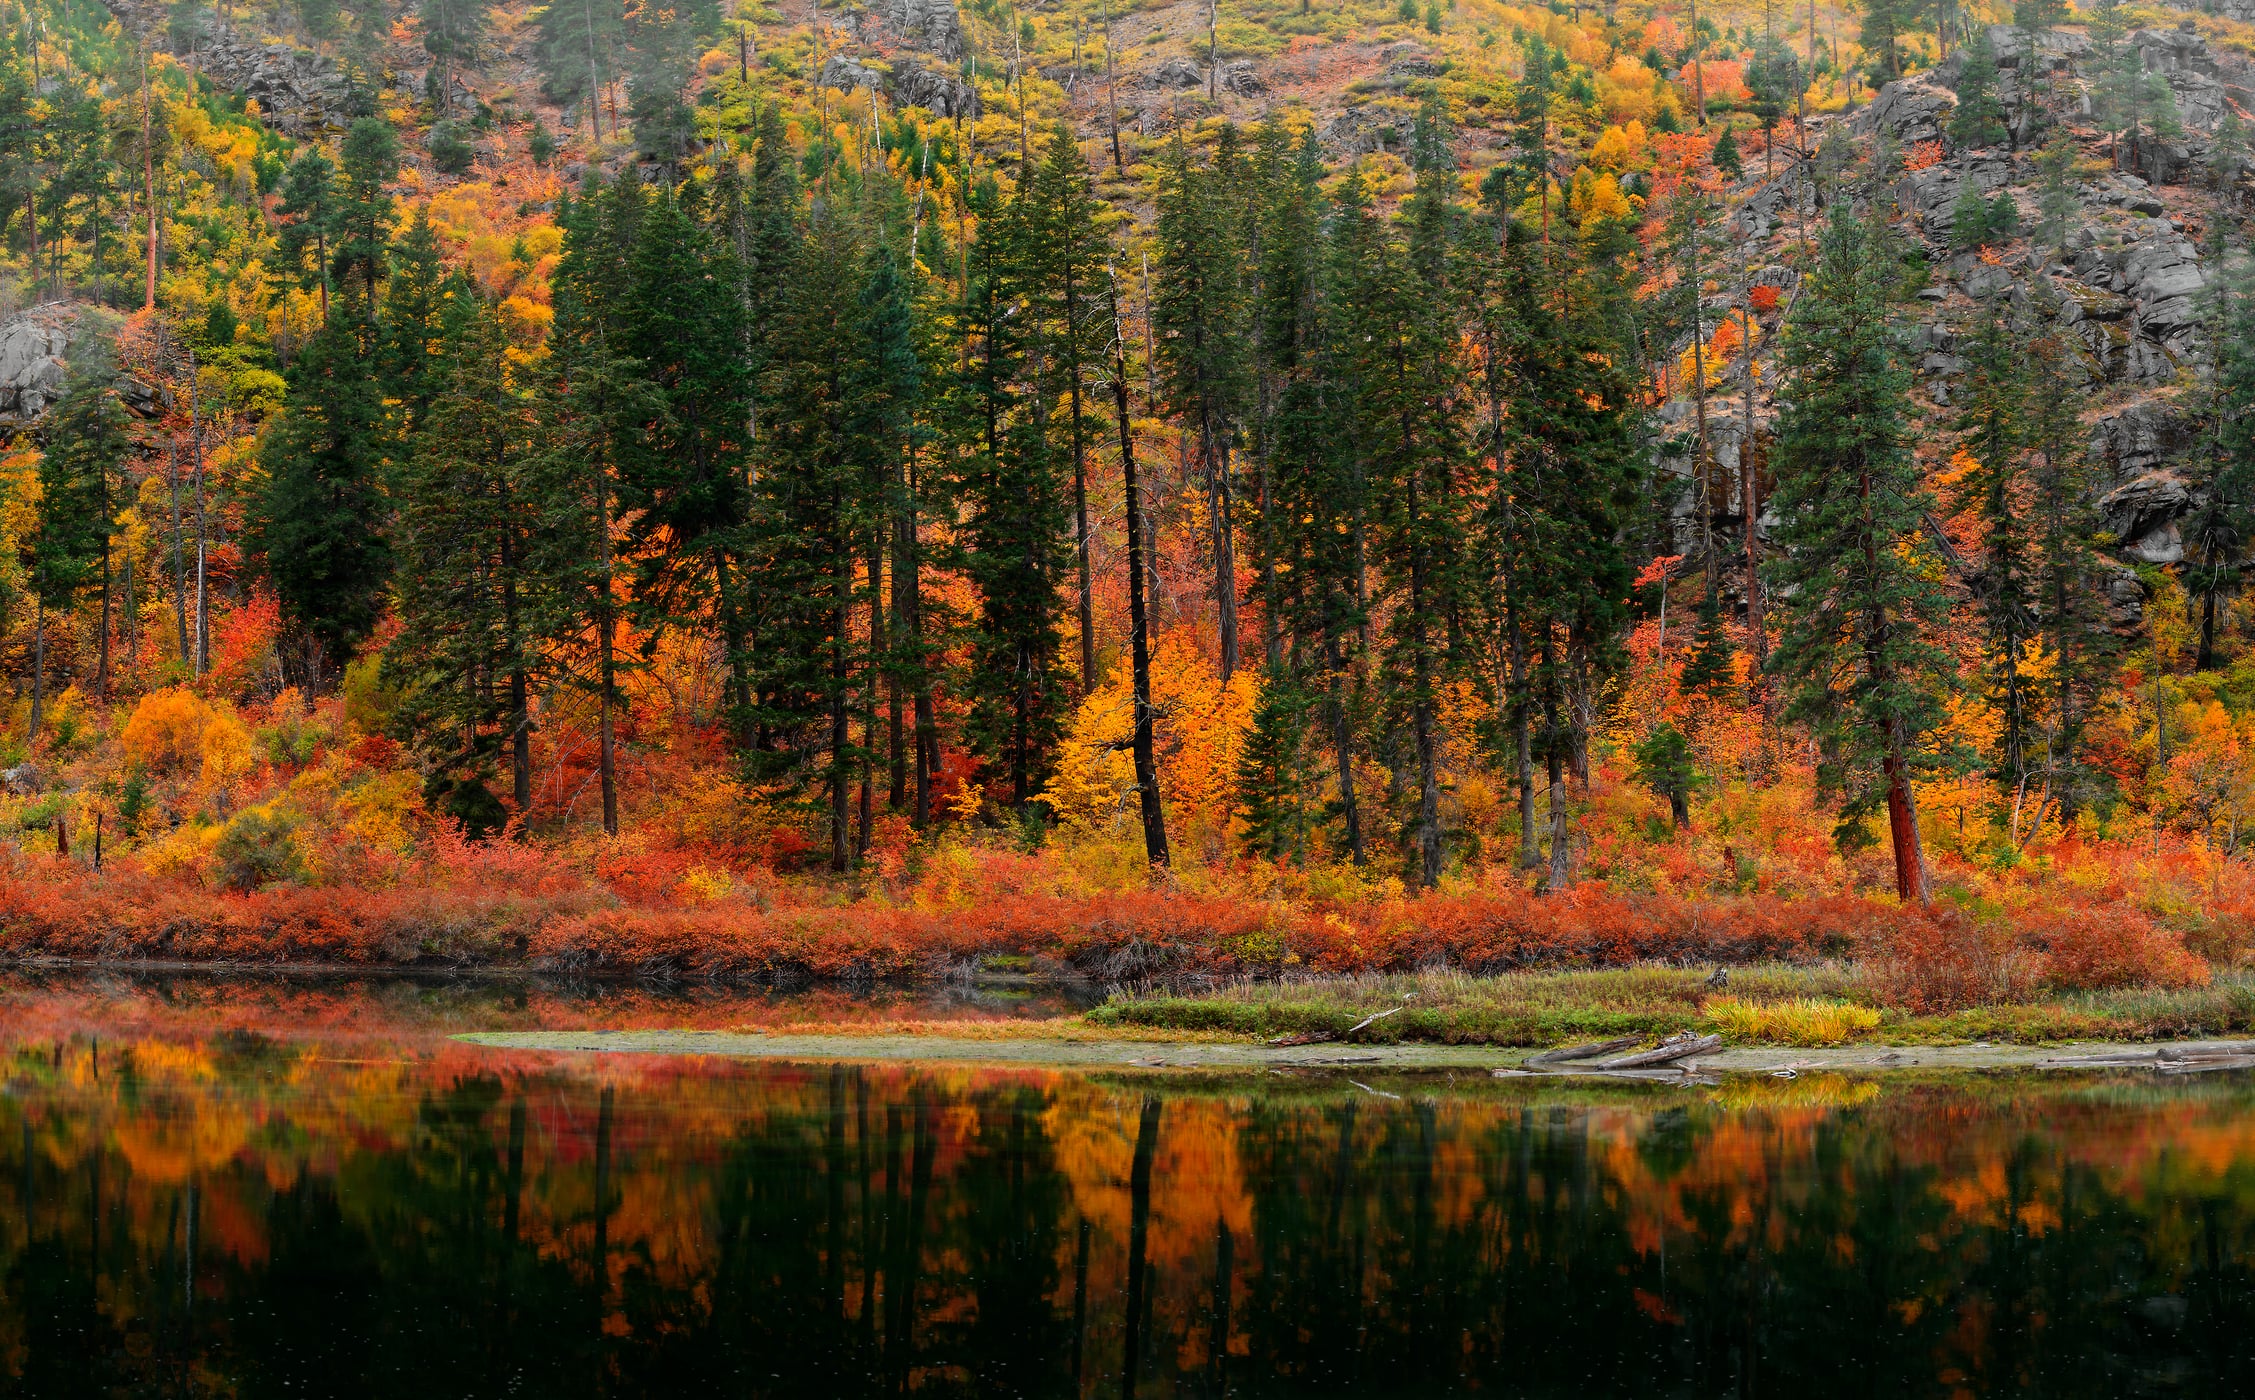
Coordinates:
66 550
320 522
1863 602
1725 155
464 654
1273 774
1979 117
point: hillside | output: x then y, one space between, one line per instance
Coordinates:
619 488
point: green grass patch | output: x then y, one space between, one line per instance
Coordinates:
1775 1004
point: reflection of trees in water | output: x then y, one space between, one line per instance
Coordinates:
860 1233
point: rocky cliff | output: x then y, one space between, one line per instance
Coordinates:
2127 289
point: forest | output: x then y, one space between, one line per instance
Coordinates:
829 489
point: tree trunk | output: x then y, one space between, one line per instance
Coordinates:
1225 548
841 612
1902 828
38 668
1139 635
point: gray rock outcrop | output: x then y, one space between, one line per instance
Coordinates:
34 350
906 82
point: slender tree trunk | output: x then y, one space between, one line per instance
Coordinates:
179 560
606 630
1757 632
149 178
1523 757
38 668
1902 809
1139 1233
520 698
1343 746
203 531
1111 103
1080 492
1561 841
841 621
1139 636
1225 546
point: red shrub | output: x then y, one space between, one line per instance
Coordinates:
1945 961
2087 948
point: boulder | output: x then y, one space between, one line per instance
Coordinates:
933 26
1178 73
1238 77
909 84
33 351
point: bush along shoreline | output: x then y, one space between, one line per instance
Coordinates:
1504 966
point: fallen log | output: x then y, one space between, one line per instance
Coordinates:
1666 1052
1591 1051
2205 1065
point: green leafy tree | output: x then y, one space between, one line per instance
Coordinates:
1725 155
2057 202
1863 598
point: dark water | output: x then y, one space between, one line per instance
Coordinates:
282 1193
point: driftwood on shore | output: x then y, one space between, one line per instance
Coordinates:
2200 1057
1567 1053
1676 1048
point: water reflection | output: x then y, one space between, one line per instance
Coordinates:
256 1214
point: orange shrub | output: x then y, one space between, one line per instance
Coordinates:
165 732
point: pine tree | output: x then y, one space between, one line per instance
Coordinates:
1664 763
1197 314
319 523
1015 523
463 656
1068 253
814 507
593 410
1273 774
1860 651
1725 155
2219 530
1979 117
2070 538
452 31
413 329
576 50
1993 486
309 208
67 549
682 322
363 206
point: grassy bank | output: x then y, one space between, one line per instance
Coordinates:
1768 1004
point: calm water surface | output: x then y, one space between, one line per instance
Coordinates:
258 1189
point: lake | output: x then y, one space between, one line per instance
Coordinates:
262 1188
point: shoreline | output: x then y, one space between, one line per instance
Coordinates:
1114 1052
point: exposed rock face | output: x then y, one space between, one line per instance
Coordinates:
33 362
909 84
2126 287
933 26
35 352
298 91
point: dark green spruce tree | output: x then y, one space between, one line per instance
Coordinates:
1860 651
